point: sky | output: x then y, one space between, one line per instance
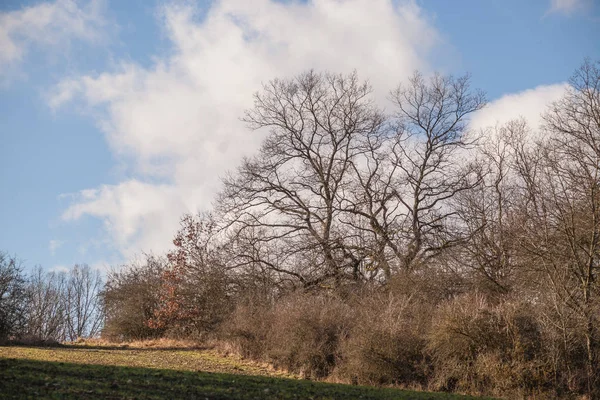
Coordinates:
117 117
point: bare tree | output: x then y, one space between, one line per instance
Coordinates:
408 179
83 313
46 314
564 236
289 195
340 191
431 131
13 296
491 212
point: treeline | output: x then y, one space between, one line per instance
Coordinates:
48 307
394 247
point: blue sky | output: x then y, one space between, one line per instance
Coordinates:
118 116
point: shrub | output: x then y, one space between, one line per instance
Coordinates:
247 327
129 299
483 348
299 332
306 333
386 345
192 303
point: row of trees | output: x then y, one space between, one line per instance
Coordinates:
48 306
424 252
394 247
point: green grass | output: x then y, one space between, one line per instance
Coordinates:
27 372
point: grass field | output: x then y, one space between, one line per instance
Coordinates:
78 372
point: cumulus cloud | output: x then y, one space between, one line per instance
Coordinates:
529 104
132 211
177 122
567 6
47 25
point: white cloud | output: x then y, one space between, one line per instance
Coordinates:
178 121
132 211
529 104
567 6
54 244
49 24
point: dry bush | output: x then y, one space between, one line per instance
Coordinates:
129 299
479 347
306 332
387 344
247 326
300 333
192 304
564 345
374 335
